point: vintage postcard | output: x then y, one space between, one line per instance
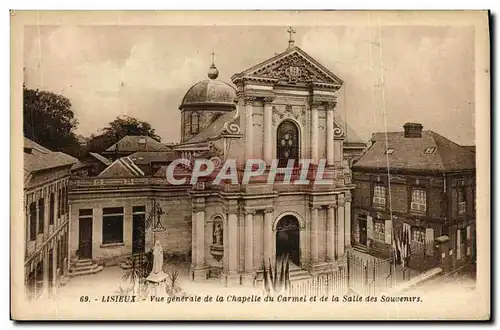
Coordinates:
232 165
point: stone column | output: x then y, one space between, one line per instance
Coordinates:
314 233
330 233
232 273
268 236
347 236
249 246
249 153
268 122
198 265
314 132
340 225
329 135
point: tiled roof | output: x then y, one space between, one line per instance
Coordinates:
415 153
41 158
147 157
100 158
130 143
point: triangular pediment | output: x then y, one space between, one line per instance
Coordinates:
292 66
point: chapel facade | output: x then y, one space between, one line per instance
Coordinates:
280 110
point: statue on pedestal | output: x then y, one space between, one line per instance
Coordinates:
157 276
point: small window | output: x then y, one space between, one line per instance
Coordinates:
389 151
462 205
419 200
41 215
195 123
429 150
139 209
52 213
112 210
379 230
112 225
379 195
85 212
418 235
32 219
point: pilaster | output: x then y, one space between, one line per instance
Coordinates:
268 144
340 226
249 101
249 267
230 275
199 268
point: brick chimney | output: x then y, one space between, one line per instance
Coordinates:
413 130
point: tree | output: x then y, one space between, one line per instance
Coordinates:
118 129
49 120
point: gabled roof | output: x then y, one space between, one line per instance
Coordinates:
278 67
122 167
100 158
130 143
147 157
40 158
410 153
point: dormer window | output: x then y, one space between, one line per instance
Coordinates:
195 123
389 151
429 150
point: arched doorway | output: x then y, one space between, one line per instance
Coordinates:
288 239
287 143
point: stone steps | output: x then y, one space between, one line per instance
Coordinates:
84 267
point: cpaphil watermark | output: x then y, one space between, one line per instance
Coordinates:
302 172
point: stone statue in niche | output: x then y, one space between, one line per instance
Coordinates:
217 234
217 248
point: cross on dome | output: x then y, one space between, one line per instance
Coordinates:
213 73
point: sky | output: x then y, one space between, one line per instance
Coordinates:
144 71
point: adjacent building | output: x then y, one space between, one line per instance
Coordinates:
133 143
46 178
419 179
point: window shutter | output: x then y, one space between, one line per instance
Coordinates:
388 231
458 244
468 241
429 240
369 227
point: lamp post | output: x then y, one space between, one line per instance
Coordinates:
155 220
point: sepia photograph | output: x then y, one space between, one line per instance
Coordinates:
244 165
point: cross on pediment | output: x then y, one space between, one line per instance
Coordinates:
291 31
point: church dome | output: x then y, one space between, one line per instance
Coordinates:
210 92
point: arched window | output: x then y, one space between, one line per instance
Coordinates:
287 143
195 123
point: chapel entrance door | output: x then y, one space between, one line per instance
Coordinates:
288 239
85 239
